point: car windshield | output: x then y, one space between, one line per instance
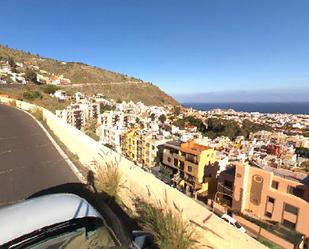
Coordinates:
87 232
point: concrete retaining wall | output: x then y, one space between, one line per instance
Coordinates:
214 231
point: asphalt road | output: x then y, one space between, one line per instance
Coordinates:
29 162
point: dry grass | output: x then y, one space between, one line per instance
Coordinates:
12 103
109 180
170 229
37 113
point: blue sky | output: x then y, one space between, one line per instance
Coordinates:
188 48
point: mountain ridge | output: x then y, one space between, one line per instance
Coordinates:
91 79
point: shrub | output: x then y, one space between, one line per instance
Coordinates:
171 231
37 94
50 89
29 95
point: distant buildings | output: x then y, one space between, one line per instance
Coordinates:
17 74
256 175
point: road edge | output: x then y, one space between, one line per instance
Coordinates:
75 170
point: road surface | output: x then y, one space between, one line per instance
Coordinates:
28 160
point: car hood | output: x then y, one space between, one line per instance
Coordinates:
30 215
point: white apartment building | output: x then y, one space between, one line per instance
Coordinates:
78 114
111 136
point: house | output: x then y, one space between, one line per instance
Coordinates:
60 95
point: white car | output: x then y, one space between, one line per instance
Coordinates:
59 221
233 222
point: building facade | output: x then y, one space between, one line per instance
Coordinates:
189 161
276 195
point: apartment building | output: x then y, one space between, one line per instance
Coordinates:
111 136
78 114
268 193
73 115
144 148
113 118
152 149
189 162
129 144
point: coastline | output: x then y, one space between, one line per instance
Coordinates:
262 107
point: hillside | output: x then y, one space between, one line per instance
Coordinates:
91 79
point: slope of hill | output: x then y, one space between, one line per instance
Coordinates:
91 79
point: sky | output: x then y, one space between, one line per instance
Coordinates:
196 51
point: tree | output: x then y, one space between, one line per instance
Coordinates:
302 151
30 75
305 166
104 108
176 110
90 129
162 118
12 62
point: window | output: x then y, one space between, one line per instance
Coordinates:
299 192
169 159
189 168
191 158
175 162
275 184
228 184
290 209
288 224
270 201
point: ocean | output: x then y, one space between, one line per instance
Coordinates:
284 107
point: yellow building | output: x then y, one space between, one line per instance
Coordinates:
129 145
142 148
189 161
152 148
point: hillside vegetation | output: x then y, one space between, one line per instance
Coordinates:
91 79
216 127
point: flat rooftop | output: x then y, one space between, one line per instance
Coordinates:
288 174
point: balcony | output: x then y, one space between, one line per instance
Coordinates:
179 157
